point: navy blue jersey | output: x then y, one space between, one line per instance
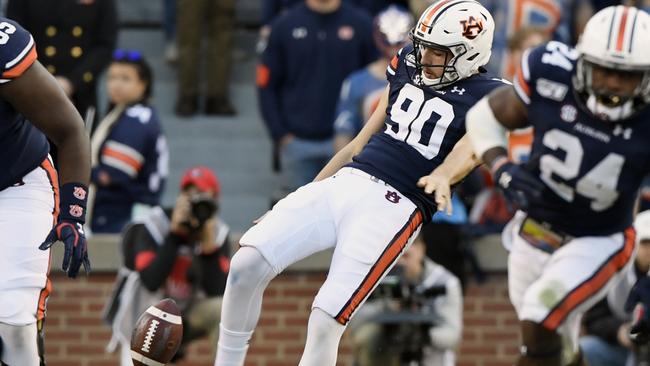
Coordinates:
135 156
592 168
22 146
422 127
307 58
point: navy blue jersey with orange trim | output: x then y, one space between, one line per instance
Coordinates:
421 128
22 146
592 168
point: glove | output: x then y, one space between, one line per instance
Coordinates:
518 186
69 229
638 302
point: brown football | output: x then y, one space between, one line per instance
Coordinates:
157 335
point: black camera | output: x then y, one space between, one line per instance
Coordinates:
203 207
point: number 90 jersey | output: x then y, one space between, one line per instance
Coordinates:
592 168
422 127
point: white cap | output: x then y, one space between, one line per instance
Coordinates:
642 225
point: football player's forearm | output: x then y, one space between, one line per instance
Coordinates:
460 161
74 158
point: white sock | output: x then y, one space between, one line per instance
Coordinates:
323 336
232 347
249 275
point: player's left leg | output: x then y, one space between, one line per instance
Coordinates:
373 231
575 277
21 345
26 217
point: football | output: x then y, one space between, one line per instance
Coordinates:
157 335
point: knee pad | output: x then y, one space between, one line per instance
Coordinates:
249 268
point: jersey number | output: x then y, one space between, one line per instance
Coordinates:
5 30
411 120
559 55
599 184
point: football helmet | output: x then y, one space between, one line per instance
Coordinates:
391 28
464 28
614 39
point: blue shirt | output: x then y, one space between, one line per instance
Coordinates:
307 57
22 146
136 158
422 127
360 95
592 169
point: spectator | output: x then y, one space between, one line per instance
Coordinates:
179 253
74 40
129 150
361 90
311 49
430 290
219 18
606 341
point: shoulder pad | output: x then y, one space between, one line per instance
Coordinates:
17 50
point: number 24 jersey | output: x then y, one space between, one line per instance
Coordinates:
421 128
592 168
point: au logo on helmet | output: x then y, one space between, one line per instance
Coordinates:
471 27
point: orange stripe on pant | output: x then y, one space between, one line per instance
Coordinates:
593 284
53 176
387 258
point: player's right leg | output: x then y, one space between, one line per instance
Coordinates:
26 217
298 226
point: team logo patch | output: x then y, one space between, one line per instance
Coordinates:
76 210
471 27
392 197
79 193
568 113
346 32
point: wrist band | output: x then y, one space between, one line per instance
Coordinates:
73 202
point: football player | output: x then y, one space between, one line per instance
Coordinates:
572 239
372 197
33 106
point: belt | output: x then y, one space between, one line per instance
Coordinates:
542 236
361 173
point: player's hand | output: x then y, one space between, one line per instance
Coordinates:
518 186
440 186
69 229
638 302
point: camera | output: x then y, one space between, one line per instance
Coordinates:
202 207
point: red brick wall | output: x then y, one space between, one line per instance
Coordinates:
75 335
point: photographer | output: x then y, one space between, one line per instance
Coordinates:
181 254
430 296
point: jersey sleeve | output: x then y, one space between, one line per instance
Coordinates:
522 80
17 50
394 64
124 152
545 72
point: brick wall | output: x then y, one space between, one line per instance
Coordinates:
75 335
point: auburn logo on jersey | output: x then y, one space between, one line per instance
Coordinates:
471 27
